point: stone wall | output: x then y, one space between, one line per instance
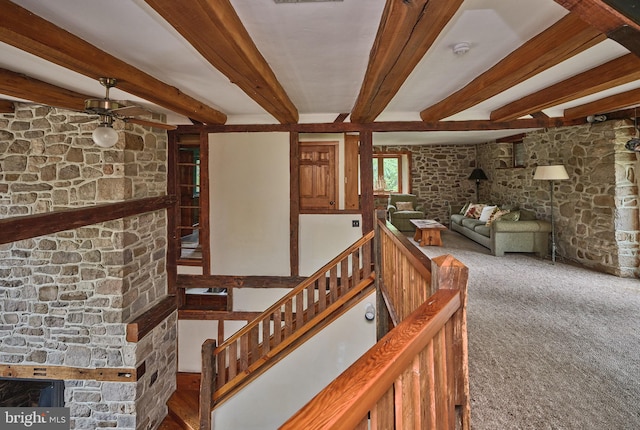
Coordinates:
439 176
596 210
65 298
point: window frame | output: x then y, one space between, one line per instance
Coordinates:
399 156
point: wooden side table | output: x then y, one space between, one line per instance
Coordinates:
428 232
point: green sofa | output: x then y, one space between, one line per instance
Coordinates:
401 219
528 234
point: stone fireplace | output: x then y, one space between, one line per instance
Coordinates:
66 298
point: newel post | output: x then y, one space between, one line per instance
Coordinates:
207 380
449 273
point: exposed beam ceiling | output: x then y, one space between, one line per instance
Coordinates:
407 30
608 20
383 60
566 38
25 87
616 72
28 32
215 30
607 104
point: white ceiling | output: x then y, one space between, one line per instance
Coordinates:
319 53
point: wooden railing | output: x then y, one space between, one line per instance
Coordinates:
416 376
312 304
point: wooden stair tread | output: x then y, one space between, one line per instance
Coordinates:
183 407
170 423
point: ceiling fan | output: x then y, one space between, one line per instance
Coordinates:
108 110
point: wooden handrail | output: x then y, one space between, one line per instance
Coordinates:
364 286
344 402
304 309
300 288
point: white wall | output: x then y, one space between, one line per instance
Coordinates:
249 190
323 237
274 396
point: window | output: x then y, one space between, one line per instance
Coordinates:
387 173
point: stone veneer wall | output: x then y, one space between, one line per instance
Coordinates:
596 211
439 176
65 298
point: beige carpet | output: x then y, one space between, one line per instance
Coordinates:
550 346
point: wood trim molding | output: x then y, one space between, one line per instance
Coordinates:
229 281
67 373
141 326
294 204
28 226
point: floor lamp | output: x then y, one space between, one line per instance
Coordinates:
551 173
478 174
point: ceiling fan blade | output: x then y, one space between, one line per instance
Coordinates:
150 123
131 110
82 120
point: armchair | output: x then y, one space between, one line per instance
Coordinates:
400 214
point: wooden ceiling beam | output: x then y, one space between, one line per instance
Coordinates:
28 88
564 39
616 72
385 126
217 33
607 104
407 30
26 31
7 106
611 21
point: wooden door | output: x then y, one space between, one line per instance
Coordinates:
318 173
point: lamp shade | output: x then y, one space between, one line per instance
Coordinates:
555 172
478 174
105 136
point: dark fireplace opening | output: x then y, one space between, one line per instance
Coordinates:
19 393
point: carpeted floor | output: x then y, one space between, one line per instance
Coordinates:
550 346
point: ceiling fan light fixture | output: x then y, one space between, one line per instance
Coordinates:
104 136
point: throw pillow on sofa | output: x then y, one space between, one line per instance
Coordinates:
464 208
404 206
511 216
496 215
474 210
486 213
